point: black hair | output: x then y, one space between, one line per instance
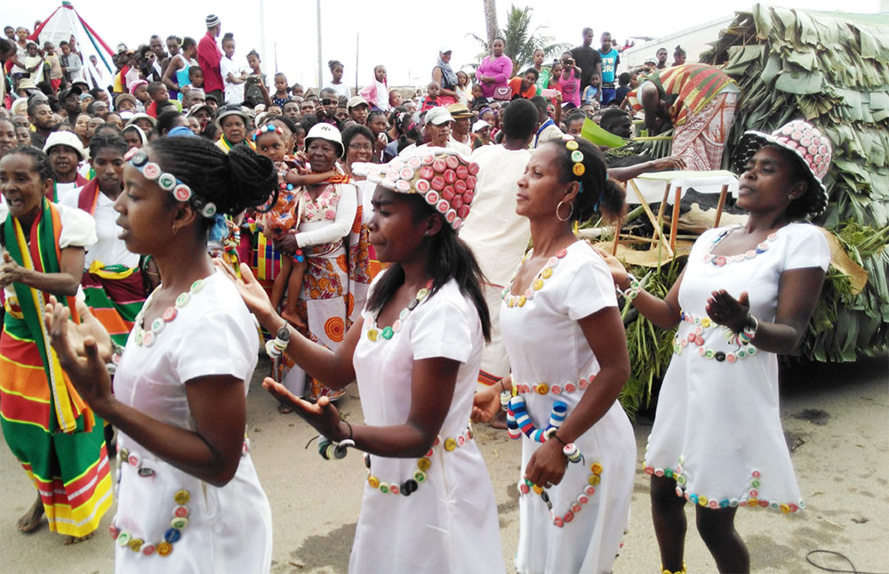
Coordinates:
540 103
154 88
610 118
350 132
624 78
679 51
188 42
498 38
573 116
234 181
532 71
291 125
449 258
174 37
308 121
112 141
227 36
812 202
167 121
40 161
520 119
112 130
95 93
373 114
599 193
194 69
34 102
253 53
333 64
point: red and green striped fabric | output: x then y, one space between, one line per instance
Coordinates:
688 88
115 295
65 457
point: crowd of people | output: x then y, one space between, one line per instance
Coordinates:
381 237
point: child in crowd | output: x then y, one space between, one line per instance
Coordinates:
139 90
569 81
479 101
55 66
591 93
281 96
284 216
433 91
159 95
463 87
378 125
195 78
623 87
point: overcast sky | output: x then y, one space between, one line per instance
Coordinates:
404 36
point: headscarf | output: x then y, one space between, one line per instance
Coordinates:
447 74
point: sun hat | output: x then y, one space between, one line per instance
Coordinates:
438 116
325 131
194 109
125 97
479 126
64 138
459 110
800 137
229 110
444 178
142 116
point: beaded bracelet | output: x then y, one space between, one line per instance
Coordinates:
749 330
632 291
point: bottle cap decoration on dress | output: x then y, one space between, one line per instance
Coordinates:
444 178
798 136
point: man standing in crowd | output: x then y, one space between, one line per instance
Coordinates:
209 58
69 100
587 59
498 236
610 60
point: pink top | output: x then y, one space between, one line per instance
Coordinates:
500 68
570 89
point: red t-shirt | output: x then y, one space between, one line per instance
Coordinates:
209 56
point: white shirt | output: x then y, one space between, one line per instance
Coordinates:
234 93
109 249
497 236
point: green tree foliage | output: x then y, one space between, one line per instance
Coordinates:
522 40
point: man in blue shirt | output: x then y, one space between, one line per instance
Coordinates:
610 59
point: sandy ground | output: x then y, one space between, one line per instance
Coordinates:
836 419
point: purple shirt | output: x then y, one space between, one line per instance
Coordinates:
500 68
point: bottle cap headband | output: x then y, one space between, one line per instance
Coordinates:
268 128
444 178
169 182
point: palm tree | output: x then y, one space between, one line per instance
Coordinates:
491 19
521 40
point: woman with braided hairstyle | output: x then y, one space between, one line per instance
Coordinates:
187 486
568 354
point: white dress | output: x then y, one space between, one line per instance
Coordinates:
228 529
717 430
449 524
552 361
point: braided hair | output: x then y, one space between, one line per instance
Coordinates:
107 141
598 193
234 181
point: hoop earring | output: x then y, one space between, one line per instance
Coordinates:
570 213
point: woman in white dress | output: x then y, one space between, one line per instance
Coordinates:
745 296
188 497
415 350
568 357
